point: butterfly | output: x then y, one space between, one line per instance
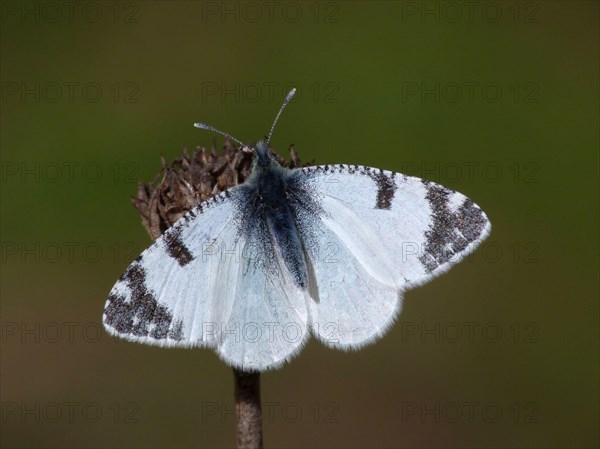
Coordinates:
324 250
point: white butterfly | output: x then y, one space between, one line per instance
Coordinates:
327 250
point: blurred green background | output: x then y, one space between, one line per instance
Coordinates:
498 100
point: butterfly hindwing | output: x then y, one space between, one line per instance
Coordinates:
268 321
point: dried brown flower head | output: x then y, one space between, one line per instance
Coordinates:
190 180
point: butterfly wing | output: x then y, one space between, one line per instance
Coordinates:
381 233
201 284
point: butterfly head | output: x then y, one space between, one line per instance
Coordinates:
263 155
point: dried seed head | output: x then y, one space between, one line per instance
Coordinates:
189 180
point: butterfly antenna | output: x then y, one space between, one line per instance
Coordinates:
285 103
212 128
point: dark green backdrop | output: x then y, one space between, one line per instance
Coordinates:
498 100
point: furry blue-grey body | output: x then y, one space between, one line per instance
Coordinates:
274 206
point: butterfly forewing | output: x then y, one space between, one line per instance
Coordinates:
424 226
166 294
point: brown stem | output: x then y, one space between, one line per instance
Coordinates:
248 409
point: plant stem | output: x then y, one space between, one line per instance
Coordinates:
248 409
